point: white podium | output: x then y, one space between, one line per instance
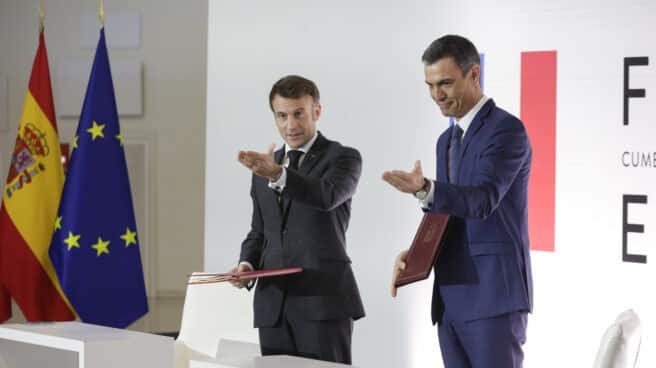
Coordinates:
81 345
272 361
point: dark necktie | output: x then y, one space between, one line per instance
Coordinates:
294 157
454 152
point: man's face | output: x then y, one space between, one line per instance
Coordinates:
296 119
454 92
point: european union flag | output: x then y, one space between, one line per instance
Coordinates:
95 248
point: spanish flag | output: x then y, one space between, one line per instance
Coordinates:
28 213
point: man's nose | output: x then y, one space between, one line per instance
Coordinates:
292 123
438 95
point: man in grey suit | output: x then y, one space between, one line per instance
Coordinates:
301 209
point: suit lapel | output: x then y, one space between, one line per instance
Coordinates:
309 162
278 155
314 154
273 196
443 157
474 127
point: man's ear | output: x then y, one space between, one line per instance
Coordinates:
316 111
475 73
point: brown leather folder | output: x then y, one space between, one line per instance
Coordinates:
425 248
209 278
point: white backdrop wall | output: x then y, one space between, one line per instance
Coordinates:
365 58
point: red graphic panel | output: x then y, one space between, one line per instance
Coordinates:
538 112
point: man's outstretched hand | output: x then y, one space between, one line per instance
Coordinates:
404 181
261 164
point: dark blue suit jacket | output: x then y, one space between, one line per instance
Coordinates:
484 269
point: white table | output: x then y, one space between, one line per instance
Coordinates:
81 345
272 361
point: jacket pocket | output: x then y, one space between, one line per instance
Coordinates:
331 255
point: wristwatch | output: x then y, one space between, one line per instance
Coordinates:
423 192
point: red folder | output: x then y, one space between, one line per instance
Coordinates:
425 248
209 278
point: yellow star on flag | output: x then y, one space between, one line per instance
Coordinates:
75 142
96 131
119 136
72 241
129 237
58 223
101 247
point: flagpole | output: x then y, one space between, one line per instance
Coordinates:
42 16
101 14
112 275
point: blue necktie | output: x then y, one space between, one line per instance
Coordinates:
454 152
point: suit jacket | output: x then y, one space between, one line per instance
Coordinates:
485 267
309 233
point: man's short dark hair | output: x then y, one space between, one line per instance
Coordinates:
462 51
293 86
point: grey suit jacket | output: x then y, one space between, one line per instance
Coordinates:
309 233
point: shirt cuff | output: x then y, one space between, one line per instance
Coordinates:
427 202
248 264
279 184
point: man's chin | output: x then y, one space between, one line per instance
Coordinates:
295 143
446 113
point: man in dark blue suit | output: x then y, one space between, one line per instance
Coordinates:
483 286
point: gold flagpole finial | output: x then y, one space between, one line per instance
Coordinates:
42 16
101 14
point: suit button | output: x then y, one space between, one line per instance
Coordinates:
284 231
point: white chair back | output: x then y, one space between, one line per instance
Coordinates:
620 344
212 312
